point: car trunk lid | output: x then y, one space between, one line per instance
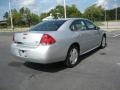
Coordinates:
28 38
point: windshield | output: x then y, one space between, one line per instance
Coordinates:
48 25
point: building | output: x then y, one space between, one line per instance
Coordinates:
48 18
3 23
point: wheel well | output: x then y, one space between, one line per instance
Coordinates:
76 44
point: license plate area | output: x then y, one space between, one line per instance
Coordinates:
23 53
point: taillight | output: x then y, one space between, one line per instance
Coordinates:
47 40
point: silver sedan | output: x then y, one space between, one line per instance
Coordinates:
58 40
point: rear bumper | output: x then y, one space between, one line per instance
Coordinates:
40 54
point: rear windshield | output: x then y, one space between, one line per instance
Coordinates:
48 25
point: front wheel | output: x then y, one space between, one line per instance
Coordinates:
72 57
103 42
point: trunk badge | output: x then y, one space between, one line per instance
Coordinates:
24 37
25 34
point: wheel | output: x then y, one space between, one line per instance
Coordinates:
72 57
103 42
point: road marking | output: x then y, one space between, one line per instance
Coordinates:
116 35
118 64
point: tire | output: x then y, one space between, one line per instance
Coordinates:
72 56
103 42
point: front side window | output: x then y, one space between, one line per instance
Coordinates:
78 25
52 25
90 25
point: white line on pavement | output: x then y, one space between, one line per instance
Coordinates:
118 64
116 35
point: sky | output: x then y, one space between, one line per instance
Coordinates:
39 6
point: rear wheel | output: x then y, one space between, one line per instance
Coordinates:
72 57
103 42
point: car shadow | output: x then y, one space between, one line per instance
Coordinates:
83 57
55 67
51 68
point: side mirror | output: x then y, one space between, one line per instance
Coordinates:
97 28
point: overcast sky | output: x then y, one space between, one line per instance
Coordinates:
39 6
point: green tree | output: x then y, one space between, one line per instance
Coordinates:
58 10
16 17
72 11
34 18
22 10
94 13
22 17
6 15
111 14
26 16
43 15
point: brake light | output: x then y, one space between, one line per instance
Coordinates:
47 40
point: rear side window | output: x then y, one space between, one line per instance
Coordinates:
48 25
78 25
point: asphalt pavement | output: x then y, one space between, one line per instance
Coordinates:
97 70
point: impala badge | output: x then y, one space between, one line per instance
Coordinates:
25 34
24 37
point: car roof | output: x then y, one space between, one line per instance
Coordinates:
71 19
68 19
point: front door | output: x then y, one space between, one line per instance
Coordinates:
84 35
94 33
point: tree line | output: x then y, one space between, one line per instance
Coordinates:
24 17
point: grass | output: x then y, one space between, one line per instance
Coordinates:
13 30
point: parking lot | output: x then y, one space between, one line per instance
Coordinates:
97 70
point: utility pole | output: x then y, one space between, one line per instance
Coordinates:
116 11
11 19
65 9
105 15
106 18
